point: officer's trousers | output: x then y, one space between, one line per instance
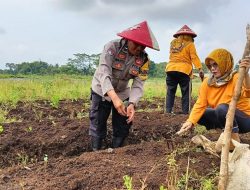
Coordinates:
100 110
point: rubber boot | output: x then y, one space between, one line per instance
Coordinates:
117 142
96 143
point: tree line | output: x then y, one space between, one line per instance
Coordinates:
80 64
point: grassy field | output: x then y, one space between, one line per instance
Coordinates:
55 88
156 87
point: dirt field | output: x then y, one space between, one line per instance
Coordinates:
48 148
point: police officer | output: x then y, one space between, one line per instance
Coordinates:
121 60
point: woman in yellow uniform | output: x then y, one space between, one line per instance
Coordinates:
179 69
216 93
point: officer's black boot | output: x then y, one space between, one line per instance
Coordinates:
118 142
96 143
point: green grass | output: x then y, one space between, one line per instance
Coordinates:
156 87
59 87
52 88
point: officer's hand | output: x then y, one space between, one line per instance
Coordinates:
120 107
130 113
185 127
118 104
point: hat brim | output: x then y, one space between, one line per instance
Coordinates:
138 42
141 34
184 33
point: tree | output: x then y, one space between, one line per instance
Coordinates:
157 69
12 68
84 62
35 67
204 68
69 69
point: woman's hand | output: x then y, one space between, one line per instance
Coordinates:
245 63
185 127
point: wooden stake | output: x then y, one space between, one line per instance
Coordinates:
229 119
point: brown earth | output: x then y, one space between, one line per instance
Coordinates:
47 148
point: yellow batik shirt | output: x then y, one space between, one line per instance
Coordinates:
182 61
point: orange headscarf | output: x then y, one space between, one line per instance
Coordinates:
225 62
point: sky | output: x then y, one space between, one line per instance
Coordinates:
54 30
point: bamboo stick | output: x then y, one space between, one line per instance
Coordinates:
223 180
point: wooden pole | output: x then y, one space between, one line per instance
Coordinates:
223 180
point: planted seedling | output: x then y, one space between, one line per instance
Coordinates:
127 182
1 129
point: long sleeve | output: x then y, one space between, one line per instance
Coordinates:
136 91
137 86
104 71
184 60
245 92
109 76
200 105
194 57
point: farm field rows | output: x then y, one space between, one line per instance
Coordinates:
46 146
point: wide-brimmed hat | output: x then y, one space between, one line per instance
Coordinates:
185 30
141 34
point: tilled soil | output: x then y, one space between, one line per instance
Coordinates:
48 148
